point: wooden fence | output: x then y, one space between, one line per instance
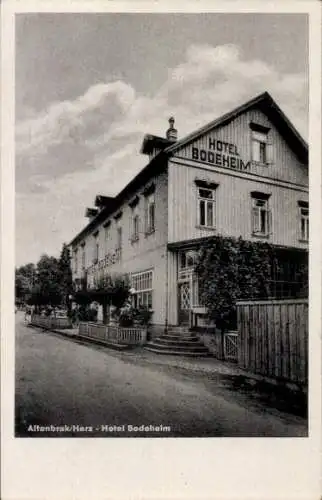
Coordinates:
273 338
50 323
115 334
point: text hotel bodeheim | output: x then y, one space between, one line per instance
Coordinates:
244 174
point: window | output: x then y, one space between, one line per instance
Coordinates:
150 214
76 260
83 256
134 225
96 248
206 207
118 238
142 289
187 259
304 220
261 215
106 237
259 147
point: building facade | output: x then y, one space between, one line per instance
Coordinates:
243 175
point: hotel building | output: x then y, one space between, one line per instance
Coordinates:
244 174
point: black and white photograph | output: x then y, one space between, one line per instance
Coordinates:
160 250
162 225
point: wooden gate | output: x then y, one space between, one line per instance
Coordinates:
231 346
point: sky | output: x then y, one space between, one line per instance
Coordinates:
90 86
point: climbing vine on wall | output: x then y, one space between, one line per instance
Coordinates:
230 269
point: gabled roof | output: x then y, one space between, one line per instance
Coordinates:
267 104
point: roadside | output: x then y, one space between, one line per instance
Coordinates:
248 388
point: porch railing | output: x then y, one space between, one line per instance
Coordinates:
115 334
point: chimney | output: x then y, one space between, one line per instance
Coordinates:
172 133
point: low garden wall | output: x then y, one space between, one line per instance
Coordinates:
50 323
115 334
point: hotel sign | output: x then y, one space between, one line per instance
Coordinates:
220 154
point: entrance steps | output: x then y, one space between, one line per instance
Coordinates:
178 341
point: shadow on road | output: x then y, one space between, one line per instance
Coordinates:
274 396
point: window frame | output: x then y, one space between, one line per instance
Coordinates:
259 139
260 203
134 225
206 202
76 260
119 237
96 247
304 217
107 237
83 247
142 295
149 210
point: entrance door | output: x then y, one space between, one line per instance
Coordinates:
184 303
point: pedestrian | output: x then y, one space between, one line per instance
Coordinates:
28 315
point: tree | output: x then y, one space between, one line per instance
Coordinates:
48 279
110 290
25 279
65 276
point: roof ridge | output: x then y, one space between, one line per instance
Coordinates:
233 114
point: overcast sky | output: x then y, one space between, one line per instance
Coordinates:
89 86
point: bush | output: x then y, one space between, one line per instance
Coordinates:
126 318
143 315
86 314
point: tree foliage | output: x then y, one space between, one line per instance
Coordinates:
110 290
24 282
49 283
65 276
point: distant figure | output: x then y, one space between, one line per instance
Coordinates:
28 315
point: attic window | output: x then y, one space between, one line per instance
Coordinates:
262 151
